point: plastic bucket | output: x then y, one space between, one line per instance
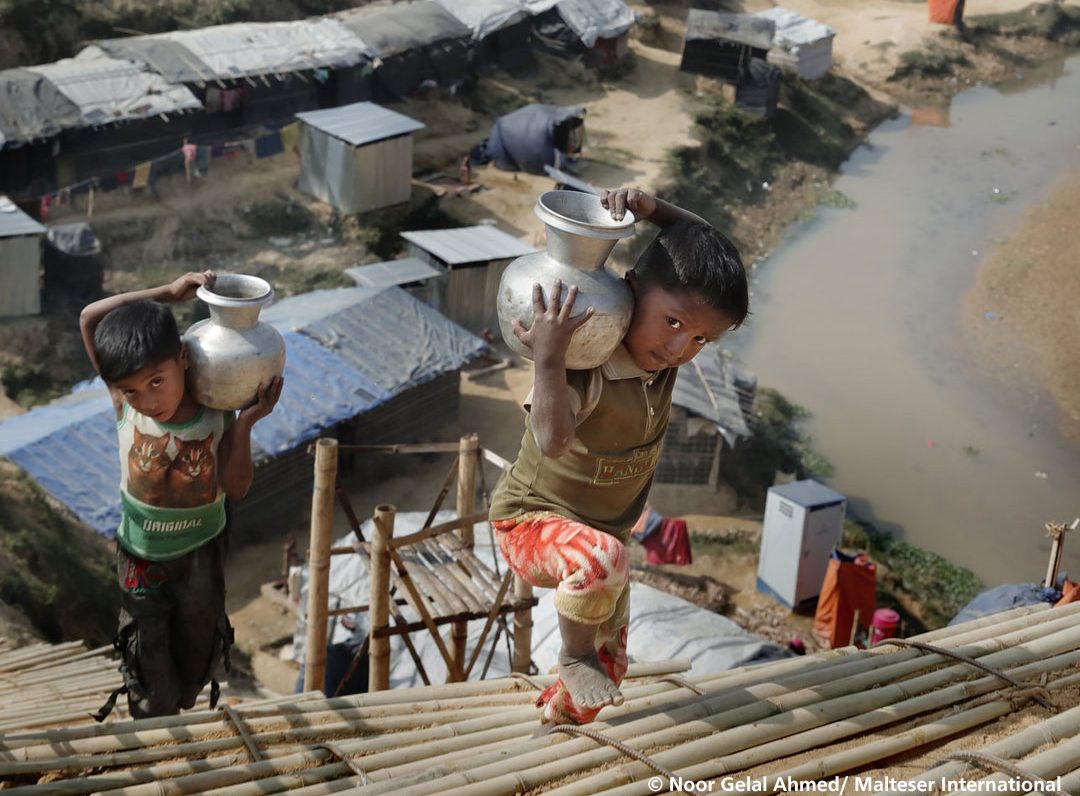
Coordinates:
885 624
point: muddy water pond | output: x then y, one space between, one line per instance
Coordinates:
859 317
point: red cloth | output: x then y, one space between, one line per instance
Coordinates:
669 545
850 584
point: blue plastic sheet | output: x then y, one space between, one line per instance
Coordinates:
1004 598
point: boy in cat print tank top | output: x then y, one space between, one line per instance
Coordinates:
179 461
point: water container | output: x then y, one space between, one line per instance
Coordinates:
886 622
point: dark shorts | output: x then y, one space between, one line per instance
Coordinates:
173 627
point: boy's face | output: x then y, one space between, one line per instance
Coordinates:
156 390
668 329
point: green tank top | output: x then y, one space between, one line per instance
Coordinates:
169 495
603 479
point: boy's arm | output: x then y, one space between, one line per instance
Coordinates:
182 289
549 337
234 452
644 206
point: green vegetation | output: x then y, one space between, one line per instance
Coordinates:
924 583
777 445
934 62
58 573
1057 22
830 197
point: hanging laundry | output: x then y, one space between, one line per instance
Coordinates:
202 160
109 182
230 99
43 211
188 152
321 74
123 177
212 103
247 146
290 133
63 198
142 176
269 145
670 544
90 203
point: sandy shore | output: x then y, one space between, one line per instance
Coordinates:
1021 313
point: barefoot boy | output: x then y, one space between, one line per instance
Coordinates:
562 514
178 463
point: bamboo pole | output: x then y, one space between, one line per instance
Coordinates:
1056 531
322 527
523 625
724 729
468 454
379 662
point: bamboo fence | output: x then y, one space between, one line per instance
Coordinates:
853 709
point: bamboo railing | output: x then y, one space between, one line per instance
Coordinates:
476 738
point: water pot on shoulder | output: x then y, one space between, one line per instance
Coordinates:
580 235
233 352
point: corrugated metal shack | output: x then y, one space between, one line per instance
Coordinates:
800 43
357 157
411 274
375 365
20 261
598 30
710 409
721 45
471 261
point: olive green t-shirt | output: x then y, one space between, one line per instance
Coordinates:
603 480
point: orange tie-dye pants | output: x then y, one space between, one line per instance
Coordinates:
589 571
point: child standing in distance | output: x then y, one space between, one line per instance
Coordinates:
563 512
178 462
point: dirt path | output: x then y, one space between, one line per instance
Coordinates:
1021 317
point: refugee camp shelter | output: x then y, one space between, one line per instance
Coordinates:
74 265
471 261
758 90
415 41
366 364
799 43
709 411
501 31
721 45
411 274
599 30
357 157
20 261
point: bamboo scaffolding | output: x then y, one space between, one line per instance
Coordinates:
322 527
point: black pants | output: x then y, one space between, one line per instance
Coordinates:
173 627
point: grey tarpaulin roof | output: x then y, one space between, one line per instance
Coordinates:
392 272
397 27
14 221
794 29
347 351
107 89
360 123
32 107
468 244
742 28
484 17
709 386
231 52
590 19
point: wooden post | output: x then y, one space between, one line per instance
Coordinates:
322 525
379 600
522 628
1056 531
468 459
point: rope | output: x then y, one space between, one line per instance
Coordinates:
920 645
345 758
1004 766
682 682
242 731
527 679
573 729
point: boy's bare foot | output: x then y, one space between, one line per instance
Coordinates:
587 682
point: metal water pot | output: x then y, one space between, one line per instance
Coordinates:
580 235
233 352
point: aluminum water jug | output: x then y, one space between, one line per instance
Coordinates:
232 352
580 235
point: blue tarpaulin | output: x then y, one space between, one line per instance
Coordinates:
347 351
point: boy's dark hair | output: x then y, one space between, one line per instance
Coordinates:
133 336
692 257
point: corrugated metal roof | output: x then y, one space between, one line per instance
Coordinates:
794 29
392 272
708 386
741 28
361 123
14 221
399 27
484 17
462 245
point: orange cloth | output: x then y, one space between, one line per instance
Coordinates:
850 584
942 11
1070 593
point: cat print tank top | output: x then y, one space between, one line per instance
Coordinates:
169 494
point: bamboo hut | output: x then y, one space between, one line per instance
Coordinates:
926 702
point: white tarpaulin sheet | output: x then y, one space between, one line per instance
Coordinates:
484 17
110 89
662 627
590 19
260 48
793 30
799 43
